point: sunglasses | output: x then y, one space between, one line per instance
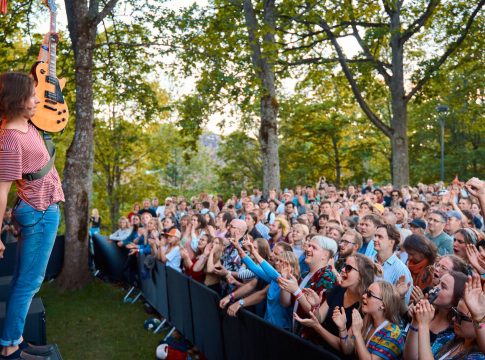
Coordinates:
369 294
348 268
459 316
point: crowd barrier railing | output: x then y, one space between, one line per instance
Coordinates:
194 310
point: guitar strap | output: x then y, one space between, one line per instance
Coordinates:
51 149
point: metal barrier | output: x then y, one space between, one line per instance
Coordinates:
194 310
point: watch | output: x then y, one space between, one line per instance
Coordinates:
241 302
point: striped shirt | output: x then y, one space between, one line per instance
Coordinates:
393 268
24 153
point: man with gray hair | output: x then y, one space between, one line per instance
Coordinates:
436 225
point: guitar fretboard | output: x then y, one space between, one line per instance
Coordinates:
52 46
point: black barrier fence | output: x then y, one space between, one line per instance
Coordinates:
194 310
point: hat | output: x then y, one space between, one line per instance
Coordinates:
379 208
455 214
204 211
169 198
239 224
326 243
418 223
477 222
173 232
263 199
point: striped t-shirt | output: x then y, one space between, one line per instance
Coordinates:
24 153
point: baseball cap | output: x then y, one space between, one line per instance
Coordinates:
455 214
173 232
418 223
379 208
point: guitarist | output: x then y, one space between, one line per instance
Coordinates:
25 160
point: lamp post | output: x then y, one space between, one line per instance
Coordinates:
442 109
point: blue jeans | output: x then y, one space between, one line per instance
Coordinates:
38 231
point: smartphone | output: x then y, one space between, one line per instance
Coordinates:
433 294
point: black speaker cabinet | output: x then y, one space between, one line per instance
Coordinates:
34 331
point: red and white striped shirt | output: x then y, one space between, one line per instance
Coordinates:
24 153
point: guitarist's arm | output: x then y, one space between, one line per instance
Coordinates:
44 48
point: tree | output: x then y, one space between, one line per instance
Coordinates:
386 33
234 45
241 166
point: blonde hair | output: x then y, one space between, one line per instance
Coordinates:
284 225
290 257
392 304
303 228
125 219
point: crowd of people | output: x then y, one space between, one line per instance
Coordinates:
376 272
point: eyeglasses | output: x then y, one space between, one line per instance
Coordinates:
459 316
441 267
345 242
369 294
348 268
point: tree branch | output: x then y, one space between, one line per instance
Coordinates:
450 50
108 8
420 22
380 68
353 84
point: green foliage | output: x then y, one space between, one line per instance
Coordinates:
241 166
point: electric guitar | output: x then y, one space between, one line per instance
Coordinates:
52 113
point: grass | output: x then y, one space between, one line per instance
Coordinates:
94 323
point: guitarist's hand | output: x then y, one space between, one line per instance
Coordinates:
48 36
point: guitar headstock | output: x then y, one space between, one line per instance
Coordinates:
51 4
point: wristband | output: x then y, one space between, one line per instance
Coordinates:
297 292
231 297
344 337
411 327
482 320
300 294
241 302
482 276
478 325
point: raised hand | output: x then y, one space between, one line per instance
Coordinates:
357 322
288 284
475 187
401 286
416 294
424 312
474 297
339 317
311 322
475 258
208 248
312 297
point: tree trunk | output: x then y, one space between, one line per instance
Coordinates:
78 170
399 120
338 166
264 69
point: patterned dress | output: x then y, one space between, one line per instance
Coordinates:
387 343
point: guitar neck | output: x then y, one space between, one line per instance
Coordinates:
52 46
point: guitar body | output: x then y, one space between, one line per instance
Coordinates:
52 113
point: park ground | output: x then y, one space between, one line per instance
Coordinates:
94 323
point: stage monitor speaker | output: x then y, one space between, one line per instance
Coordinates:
34 331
